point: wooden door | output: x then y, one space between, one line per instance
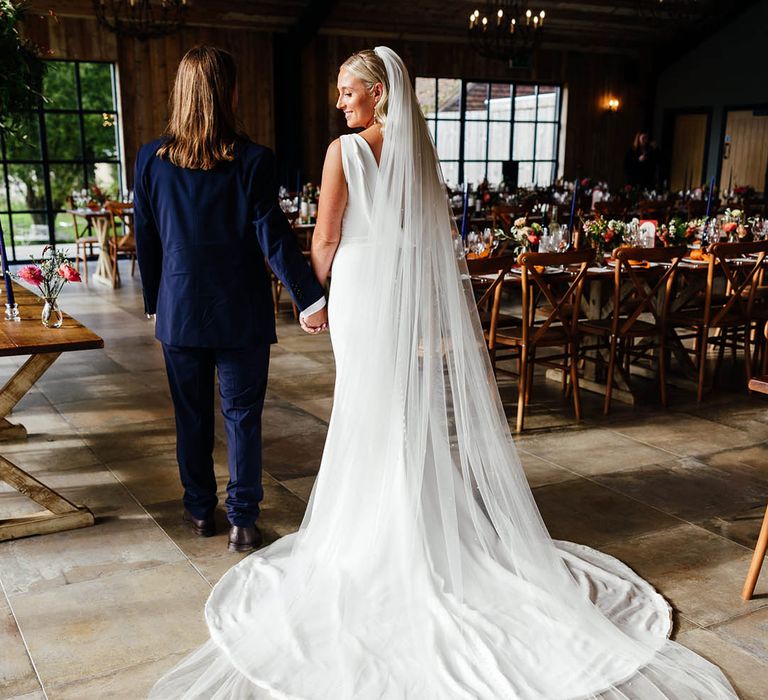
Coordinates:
745 149
688 151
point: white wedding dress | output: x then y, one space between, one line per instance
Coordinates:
422 570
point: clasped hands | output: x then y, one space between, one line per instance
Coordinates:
316 322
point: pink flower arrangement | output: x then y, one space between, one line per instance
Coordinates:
50 273
32 274
69 273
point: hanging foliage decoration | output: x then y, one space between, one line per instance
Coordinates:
21 70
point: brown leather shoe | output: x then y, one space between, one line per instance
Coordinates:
244 539
202 528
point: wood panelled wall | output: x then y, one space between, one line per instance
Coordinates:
595 139
146 71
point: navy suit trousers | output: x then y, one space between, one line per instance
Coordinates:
242 386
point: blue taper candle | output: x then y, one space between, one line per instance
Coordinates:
9 298
573 206
465 212
709 198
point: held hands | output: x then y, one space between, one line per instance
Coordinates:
316 323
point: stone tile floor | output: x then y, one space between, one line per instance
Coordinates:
101 612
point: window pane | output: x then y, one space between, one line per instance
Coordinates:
477 101
545 141
547 109
499 140
27 187
501 102
475 140
106 176
425 93
96 86
494 173
523 143
26 145
5 222
64 179
525 103
64 229
59 85
30 228
27 248
3 195
544 174
431 127
448 140
63 136
449 98
100 136
525 175
451 173
474 172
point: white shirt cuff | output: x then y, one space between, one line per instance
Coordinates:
313 309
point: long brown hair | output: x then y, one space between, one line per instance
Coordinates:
202 130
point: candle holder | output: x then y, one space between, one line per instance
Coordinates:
12 312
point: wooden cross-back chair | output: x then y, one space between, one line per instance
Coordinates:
549 319
125 244
487 277
739 266
640 311
85 240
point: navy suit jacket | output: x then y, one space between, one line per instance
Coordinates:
201 240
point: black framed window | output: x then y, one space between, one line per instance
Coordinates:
477 126
72 144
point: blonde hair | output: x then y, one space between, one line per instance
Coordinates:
368 67
202 129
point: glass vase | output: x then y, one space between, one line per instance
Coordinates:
51 316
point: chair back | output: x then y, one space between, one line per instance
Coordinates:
555 295
742 265
122 211
611 208
487 277
643 284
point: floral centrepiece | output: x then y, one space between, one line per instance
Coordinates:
525 236
679 231
49 275
604 234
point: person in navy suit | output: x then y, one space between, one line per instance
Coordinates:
206 217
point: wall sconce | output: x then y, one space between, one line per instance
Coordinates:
613 104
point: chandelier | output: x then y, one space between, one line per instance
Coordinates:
506 32
142 19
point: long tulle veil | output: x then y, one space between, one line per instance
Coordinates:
422 568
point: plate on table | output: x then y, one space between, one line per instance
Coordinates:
638 264
549 270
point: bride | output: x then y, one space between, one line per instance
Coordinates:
422 569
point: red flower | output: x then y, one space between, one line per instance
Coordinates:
585 182
533 239
32 274
608 235
69 273
730 227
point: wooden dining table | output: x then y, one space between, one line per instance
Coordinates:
100 222
27 336
597 303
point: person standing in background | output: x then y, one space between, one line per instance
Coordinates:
641 163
